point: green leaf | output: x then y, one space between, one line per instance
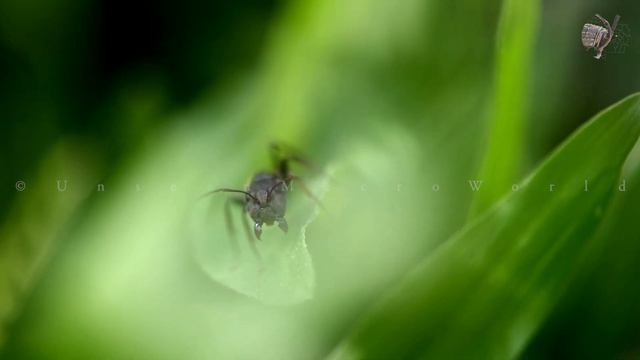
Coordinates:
505 143
27 244
492 285
602 305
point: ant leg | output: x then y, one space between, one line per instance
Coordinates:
305 189
281 155
247 231
283 225
257 230
230 228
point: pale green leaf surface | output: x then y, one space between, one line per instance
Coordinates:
284 272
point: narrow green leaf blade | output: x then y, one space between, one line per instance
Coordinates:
503 157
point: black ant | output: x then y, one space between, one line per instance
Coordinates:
265 199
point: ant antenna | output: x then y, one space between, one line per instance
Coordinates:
274 186
306 190
604 21
229 190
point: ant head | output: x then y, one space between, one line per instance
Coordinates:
263 197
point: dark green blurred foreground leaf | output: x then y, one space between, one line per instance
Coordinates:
486 291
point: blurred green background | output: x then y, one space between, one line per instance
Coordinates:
399 103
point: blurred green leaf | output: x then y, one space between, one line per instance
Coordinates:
27 243
491 286
505 142
600 315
